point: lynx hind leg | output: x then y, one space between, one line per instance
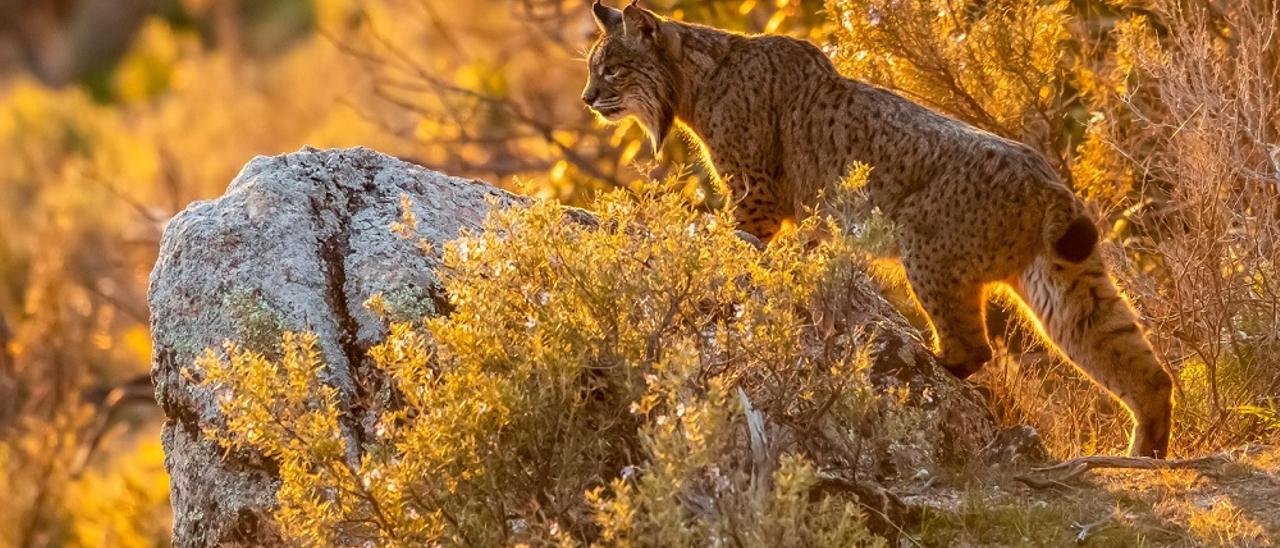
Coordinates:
956 310
1086 318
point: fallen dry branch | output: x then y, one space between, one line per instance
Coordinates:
1078 466
1139 463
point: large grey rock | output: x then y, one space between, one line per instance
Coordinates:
300 241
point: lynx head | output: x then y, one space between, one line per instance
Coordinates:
632 69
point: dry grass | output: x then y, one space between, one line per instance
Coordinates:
1167 119
1230 504
1204 267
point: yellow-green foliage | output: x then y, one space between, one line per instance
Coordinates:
583 387
991 62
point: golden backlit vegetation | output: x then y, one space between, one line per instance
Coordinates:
1163 114
574 350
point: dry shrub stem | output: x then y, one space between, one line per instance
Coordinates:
1078 466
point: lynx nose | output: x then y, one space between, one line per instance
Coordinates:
589 96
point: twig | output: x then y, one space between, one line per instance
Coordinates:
135 391
1087 528
761 464
1077 467
885 509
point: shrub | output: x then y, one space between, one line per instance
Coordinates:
593 382
1205 250
1162 116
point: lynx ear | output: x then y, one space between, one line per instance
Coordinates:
607 18
638 21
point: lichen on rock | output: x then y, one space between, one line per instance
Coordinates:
297 242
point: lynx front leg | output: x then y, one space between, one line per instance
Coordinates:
956 310
762 224
1086 317
757 207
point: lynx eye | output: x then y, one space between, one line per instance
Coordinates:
612 73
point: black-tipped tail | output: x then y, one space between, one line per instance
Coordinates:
1078 241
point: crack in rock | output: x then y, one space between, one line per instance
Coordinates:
307 236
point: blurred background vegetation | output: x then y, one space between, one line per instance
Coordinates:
114 114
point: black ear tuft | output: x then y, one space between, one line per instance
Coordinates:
607 18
